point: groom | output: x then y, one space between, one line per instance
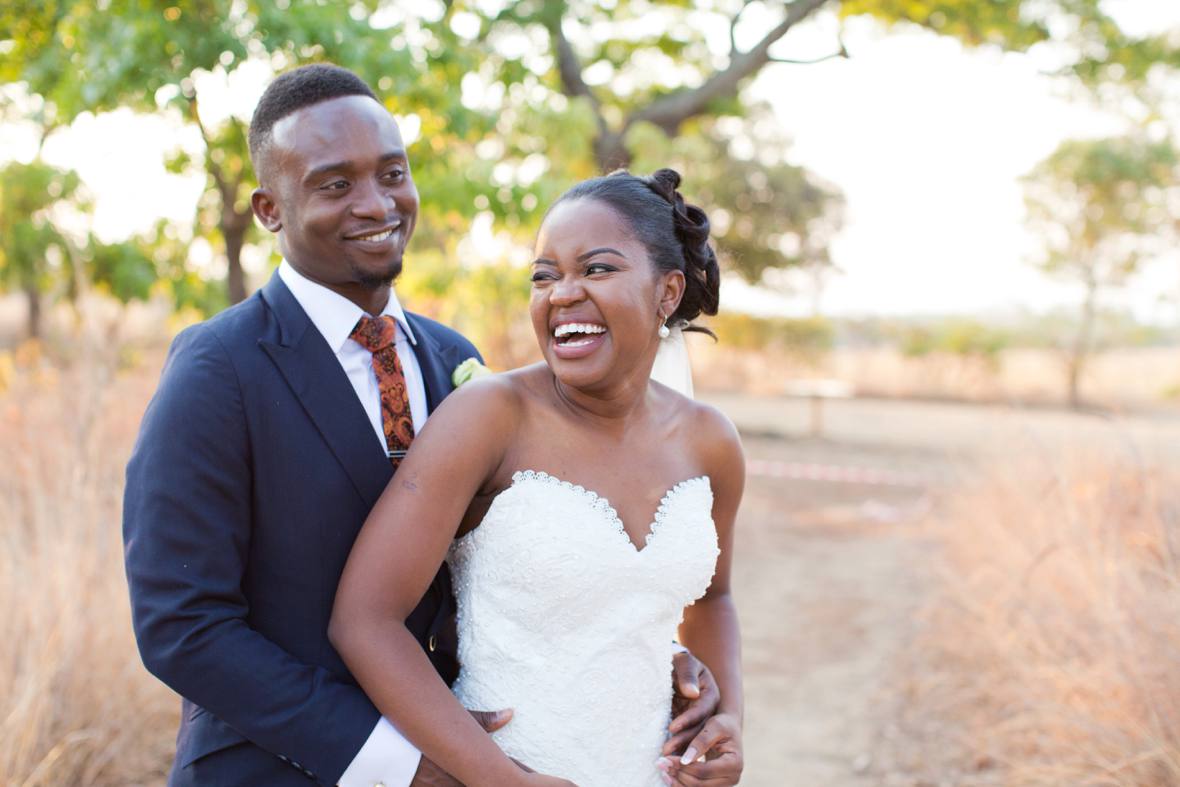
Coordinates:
275 427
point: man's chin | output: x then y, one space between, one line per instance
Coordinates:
374 277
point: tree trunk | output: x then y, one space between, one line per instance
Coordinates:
610 153
233 229
1081 344
33 324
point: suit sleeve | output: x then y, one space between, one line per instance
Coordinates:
187 528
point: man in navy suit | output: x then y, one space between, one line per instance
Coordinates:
263 450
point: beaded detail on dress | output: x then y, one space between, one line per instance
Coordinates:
564 620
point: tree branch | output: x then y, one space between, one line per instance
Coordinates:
842 52
231 218
733 23
570 69
671 111
228 193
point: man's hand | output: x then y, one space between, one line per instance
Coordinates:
695 698
430 775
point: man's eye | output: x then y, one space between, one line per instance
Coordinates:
395 174
336 185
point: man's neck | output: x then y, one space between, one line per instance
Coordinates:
371 300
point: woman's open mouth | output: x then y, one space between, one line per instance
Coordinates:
575 339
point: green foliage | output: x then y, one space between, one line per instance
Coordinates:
1012 24
508 118
487 302
28 193
806 337
965 337
961 337
1054 330
765 216
147 55
1102 206
123 270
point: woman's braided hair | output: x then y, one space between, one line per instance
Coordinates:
675 233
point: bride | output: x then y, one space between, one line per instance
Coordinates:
587 513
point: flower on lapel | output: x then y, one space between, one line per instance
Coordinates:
467 371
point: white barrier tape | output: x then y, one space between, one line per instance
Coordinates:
838 474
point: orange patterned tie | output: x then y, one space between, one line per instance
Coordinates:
377 335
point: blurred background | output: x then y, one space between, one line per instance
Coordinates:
949 335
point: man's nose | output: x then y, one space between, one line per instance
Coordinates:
372 201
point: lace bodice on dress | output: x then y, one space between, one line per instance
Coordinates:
563 620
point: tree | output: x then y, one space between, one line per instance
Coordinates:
766 213
515 100
149 56
649 62
1098 206
34 254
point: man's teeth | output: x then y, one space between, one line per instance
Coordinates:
378 237
576 327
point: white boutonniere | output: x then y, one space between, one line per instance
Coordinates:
467 371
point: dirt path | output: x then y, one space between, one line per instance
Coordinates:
827 584
831 567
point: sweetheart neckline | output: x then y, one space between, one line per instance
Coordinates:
601 503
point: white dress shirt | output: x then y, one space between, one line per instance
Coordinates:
387 757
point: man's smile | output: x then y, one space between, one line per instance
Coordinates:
375 236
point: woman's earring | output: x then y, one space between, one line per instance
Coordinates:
664 332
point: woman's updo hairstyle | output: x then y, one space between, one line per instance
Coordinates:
675 234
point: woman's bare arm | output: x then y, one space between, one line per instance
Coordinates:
710 627
397 554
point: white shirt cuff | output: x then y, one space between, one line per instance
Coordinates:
386 758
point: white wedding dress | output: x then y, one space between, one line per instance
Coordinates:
563 620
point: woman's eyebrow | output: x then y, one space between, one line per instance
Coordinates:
602 250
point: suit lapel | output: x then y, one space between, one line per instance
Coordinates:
312 371
437 363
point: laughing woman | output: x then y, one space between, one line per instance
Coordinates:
587 513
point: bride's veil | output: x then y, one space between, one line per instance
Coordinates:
672 367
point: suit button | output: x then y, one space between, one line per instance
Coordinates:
432 643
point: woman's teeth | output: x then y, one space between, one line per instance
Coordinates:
576 327
576 334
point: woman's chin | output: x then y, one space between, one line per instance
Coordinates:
577 378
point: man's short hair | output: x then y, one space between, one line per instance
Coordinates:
295 89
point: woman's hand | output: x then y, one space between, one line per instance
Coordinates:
720 744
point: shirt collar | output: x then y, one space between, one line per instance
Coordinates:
331 313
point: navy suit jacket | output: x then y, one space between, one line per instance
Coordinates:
254 469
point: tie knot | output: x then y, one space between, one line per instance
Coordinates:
374 333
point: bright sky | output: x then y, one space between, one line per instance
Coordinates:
926 139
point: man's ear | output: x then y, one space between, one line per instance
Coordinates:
266 209
671 290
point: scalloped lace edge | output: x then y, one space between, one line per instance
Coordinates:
602 504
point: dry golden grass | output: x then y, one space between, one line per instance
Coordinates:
1049 657
76 705
1145 377
1052 654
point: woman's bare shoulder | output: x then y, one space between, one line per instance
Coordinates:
495 400
714 440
